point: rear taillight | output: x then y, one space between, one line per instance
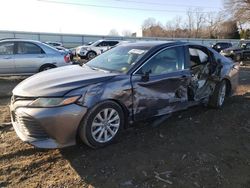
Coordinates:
67 58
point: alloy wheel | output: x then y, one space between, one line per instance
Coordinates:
105 125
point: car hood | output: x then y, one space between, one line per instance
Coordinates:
232 49
59 81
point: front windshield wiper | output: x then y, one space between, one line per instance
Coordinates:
101 68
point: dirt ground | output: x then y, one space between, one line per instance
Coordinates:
198 147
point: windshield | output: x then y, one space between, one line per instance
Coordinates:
120 58
94 43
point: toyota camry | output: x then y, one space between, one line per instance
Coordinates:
126 84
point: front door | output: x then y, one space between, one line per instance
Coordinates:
160 84
29 57
7 62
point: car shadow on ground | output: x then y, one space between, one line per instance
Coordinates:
192 148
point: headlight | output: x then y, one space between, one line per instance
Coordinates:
84 48
53 102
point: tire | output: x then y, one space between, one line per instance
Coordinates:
46 67
96 131
218 98
91 55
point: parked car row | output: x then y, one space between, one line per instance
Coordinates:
239 53
27 57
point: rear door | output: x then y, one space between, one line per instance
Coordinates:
29 57
160 84
201 65
7 64
103 46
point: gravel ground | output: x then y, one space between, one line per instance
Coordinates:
198 147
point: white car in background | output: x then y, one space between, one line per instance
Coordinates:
27 57
96 48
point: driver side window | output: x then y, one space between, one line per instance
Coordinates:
167 61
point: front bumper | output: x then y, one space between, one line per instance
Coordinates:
47 127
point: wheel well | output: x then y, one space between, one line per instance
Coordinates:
228 87
92 51
124 109
47 64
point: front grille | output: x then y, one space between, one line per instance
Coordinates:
28 126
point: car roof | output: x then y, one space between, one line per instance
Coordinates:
109 40
18 40
151 44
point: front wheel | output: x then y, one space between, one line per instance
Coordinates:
91 55
102 124
219 95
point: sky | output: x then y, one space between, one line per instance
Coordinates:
95 17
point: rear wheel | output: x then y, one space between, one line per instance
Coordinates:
102 125
46 67
219 95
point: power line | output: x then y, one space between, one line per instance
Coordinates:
117 7
167 4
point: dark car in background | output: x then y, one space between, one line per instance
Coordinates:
240 53
129 83
221 46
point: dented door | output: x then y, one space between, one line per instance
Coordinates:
160 84
160 94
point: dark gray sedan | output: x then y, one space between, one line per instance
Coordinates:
128 83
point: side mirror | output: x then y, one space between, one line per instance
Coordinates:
145 76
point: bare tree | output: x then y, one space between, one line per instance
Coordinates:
113 32
240 9
150 22
190 22
199 22
196 24
126 33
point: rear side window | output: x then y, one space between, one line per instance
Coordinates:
198 56
7 48
28 48
112 43
103 43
